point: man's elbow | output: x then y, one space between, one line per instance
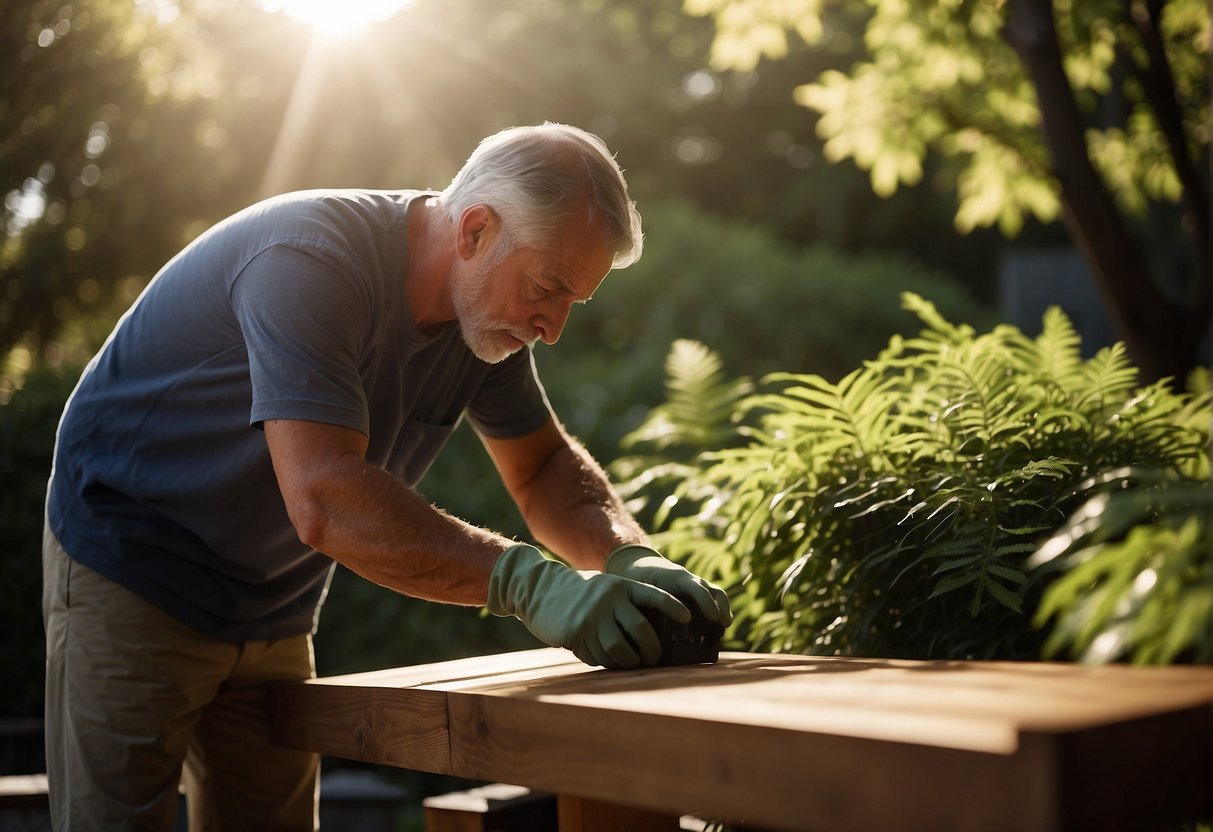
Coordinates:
312 523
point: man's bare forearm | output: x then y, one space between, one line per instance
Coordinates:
390 535
365 519
572 509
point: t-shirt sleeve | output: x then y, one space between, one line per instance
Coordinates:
304 314
511 401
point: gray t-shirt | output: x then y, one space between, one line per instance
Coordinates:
291 309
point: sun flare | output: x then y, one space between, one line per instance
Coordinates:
337 17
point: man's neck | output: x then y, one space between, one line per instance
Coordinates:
430 251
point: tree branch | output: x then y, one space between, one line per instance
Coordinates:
989 128
1161 336
1159 84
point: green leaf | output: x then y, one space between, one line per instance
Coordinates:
953 583
1012 575
1003 595
958 563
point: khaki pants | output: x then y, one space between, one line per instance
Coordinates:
133 695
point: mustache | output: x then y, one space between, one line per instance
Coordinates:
527 335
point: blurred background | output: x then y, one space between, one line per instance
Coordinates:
798 165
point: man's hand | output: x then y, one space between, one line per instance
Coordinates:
640 563
593 614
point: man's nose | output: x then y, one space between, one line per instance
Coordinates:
550 322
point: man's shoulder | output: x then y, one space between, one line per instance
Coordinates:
347 225
389 204
321 213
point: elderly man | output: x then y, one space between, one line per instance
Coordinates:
264 410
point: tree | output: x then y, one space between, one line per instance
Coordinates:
1096 111
122 134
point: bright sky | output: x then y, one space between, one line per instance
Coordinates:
337 17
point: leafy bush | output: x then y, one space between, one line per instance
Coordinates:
893 512
1137 579
761 304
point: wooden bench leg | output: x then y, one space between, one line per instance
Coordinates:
576 814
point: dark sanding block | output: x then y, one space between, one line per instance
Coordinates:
696 642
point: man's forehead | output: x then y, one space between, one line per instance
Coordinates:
579 260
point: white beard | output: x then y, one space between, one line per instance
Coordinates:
489 340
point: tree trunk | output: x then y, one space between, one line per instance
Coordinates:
1162 336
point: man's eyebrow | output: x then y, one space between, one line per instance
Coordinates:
559 279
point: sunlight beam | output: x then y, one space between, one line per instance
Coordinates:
336 18
286 157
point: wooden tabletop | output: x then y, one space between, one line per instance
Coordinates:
793 742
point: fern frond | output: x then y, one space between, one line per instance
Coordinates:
1059 348
699 405
935 322
1107 378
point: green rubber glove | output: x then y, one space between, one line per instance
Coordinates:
590 613
640 563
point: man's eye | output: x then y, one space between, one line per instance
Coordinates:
541 290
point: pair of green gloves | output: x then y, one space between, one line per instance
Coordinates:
596 614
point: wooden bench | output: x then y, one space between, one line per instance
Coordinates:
789 742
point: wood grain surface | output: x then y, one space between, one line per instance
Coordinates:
793 742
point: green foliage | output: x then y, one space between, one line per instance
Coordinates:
27 440
697 414
762 304
124 134
1136 572
698 400
892 512
941 77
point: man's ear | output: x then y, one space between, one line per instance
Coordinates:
478 225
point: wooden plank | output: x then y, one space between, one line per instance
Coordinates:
474 670
396 716
800 743
397 727
760 775
1142 774
794 742
977 706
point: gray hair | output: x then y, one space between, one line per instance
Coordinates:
533 176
